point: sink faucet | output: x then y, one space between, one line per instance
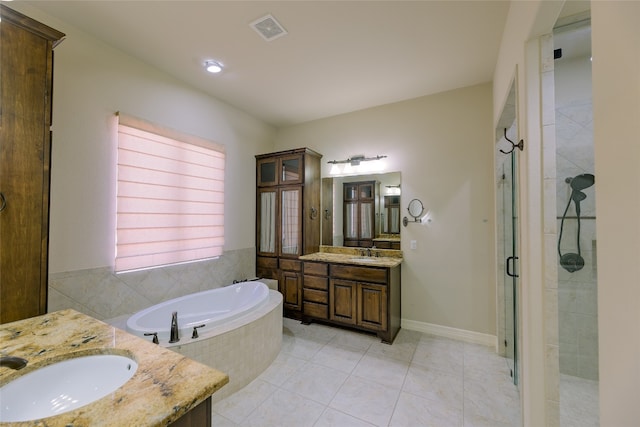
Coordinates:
13 362
175 333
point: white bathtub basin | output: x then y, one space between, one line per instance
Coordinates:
63 386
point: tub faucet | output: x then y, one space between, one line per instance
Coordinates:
13 362
175 334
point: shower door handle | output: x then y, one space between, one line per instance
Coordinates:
509 260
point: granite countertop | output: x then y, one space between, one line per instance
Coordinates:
165 386
353 258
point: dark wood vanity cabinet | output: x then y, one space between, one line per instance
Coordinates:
287 219
26 81
366 298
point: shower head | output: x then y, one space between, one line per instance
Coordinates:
580 182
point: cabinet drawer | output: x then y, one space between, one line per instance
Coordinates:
316 296
361 274
290 265
312 309
315 282
266 262
317 268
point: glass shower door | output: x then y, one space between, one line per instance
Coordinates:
509 197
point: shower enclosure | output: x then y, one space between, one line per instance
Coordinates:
576 224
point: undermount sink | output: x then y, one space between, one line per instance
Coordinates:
64 386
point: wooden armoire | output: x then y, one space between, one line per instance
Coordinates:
25 158
287 219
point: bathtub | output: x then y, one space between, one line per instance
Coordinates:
242 334
209 308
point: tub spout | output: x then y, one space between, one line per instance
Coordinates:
175 334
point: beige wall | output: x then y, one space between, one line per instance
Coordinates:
616 119
443 146
93 81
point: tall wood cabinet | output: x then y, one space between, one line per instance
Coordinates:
26 77
287 219
359 217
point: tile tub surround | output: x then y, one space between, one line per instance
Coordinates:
326 376
242 348
165 387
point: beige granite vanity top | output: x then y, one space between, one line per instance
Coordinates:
342 255
165 386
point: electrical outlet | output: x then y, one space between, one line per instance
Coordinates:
414 244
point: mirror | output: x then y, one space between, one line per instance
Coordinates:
416 208
369 206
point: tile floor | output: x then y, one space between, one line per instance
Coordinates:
579 402
327 376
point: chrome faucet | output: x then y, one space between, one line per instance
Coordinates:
13 362
175 333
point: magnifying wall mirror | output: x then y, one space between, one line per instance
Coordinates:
415 209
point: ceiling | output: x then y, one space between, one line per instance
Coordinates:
338 56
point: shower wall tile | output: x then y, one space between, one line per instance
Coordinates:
103 294
552 379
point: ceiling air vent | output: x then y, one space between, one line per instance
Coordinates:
268 28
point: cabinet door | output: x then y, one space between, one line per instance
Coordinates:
372 306
291 290
291 221
342 301
267 222
291 169
25 95
367 218
267 171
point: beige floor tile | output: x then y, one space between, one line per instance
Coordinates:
383 370
341 358
440 387
414 411
239 405
316 382
332 418
366 400
283 409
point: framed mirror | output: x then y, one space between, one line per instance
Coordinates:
338 205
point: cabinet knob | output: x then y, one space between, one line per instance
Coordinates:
313 214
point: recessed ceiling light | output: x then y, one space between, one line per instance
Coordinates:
213 66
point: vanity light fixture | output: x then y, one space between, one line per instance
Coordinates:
355 164
213 66
356 160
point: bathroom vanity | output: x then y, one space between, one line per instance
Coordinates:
166 389
345 288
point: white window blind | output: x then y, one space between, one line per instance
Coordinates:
170 196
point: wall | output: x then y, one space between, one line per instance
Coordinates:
443 146
616 126
91 82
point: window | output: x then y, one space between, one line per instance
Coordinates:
170 196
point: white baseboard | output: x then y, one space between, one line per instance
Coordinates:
448 332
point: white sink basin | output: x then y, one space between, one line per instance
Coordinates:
63 386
